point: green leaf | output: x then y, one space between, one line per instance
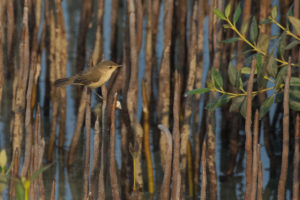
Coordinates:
197 91
211 106
253 30
265 107
245 27
239 83
3 160
216 78
237 14
232 74
294 100
263 42
266 21
247 70
258 62
295 92
296 24
20 190
236 103
219 14
272 66
295 81
274 12
231 40
280 77
294 105
39 171
282 44
243 109
261 72
227 10
292 45
290 11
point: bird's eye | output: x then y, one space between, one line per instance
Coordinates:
110 67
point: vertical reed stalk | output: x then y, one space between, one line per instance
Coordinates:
190 169
47 40
215 31
149 50
240 45
61 59
101 184
285 136
113 28
85 20
248 145
204 177
255 157
38 148
96 155
2 7
133 89
187 111
163 99
28 121
152 29
165 188
260 176
147 149
113 169
296 159
264 12
10 29
284 7
125 183
126 133
52 78
196 101
20 98
86 172
53 128
52 197
210 155
176 138
98 48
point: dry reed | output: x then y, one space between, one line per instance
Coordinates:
285 135
248 143
165 189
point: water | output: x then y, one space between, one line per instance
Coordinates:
69 181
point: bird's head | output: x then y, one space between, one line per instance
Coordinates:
108 66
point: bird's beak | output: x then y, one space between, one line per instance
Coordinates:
120 65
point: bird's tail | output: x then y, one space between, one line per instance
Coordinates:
63 82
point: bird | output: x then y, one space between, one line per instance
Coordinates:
93 77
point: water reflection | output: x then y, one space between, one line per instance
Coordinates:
69 180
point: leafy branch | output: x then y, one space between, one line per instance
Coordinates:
267 69
253 31
294 21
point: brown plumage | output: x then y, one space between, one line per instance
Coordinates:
93 77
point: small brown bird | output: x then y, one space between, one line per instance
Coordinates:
93 77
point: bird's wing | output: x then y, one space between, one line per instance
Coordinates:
86 78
